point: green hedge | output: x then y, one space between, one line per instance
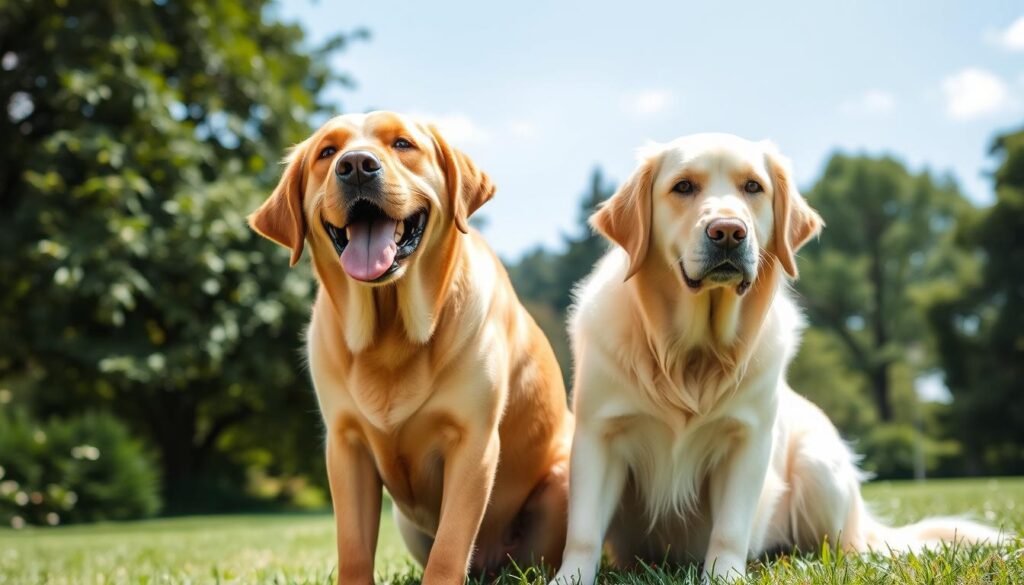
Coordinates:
81 469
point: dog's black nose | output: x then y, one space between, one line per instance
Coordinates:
358 167
727 232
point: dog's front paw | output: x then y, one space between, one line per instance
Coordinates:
575 574
725 569
565 579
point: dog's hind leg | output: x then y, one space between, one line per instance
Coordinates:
824 484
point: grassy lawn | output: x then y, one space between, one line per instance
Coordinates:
299 548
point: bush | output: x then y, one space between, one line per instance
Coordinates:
890 449
82 469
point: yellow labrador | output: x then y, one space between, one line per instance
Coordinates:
432 378
689 444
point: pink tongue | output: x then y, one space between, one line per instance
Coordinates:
371 249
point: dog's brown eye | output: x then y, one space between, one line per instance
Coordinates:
753 187
326 152
684 187
402 144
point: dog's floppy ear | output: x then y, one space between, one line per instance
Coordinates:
280 218
468 187
625 218
795 221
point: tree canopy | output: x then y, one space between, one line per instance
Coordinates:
889 235
979 323
137 137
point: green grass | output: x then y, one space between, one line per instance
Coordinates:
284 549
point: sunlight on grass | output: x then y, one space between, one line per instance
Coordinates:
286 549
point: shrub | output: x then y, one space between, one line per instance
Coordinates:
81 469
890 450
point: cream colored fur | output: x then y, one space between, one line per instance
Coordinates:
689 444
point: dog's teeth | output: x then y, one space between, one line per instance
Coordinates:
348 233
399 231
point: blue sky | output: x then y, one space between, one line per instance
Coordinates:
539 93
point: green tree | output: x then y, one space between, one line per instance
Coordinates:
979 324
137 136
821 372
888 240
584 247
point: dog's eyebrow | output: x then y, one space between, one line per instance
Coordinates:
386 124
689 173
746 172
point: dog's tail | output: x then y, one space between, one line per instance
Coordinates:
928 533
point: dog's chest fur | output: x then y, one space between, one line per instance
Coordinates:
396 399
672 446
393 380
387 396
668 463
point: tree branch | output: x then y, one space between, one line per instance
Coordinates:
219 426
833 322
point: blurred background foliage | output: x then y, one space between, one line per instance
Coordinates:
150 343
137 136
85 468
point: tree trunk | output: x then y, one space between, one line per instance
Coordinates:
880 385
880 372
172 425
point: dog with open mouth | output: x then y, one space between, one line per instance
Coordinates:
379 242
432 379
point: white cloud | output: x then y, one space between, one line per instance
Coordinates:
870 103
522 129
1011 39
647 102
459 129
973 93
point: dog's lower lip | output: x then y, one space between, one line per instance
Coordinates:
690 282
726 269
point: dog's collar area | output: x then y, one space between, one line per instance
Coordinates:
408 233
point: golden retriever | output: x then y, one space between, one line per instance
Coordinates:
689 444
432 379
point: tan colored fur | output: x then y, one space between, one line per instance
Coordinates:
436 384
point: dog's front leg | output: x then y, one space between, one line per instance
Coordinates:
469 468
356 497
597 477
735 490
